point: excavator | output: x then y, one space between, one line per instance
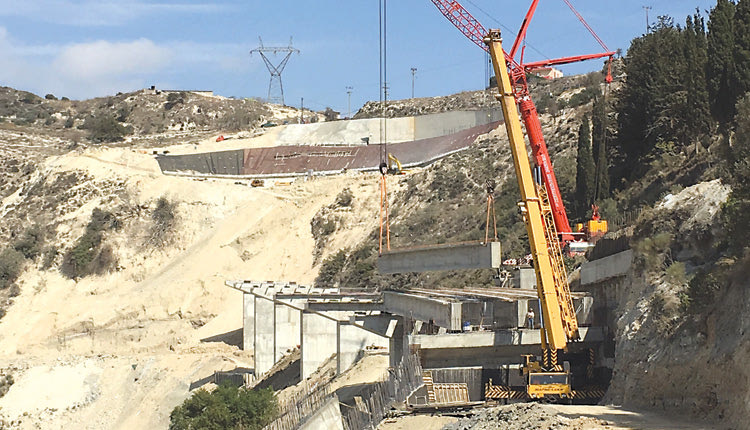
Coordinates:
542 212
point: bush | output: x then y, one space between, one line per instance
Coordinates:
227 407
88 256
11 263
50 97
701 292
330 269
48 257
30 245
5 382
163 219
344 199
173 99
105 128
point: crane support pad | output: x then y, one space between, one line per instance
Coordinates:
441 257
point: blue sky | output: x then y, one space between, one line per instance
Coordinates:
88 48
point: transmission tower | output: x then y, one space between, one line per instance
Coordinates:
275 87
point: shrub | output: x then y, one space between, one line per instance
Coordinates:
675 274
173 99
11 263
88 256
48 257
5 382
344 199
105 128
163 219
30 245
331 268
701 292
227 407
50 97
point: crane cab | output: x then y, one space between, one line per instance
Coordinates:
541 383
548 384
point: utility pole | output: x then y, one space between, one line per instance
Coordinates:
413 75
349 105
275 87
648 24
302 110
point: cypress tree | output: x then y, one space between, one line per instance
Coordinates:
652 103
740 84
598 119
696 121
585 169
599 148
720 64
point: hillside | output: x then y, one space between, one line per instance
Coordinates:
113 295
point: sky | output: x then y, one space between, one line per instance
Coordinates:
91 48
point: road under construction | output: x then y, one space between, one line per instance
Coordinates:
528 337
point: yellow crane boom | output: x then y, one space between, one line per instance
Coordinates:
558 315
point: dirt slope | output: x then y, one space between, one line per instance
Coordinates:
121 350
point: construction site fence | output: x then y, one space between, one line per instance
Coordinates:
300 406
372 404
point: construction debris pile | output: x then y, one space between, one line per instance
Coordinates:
523 416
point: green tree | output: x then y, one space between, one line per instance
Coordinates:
654 106
599 148
697 120
227 407
720 65
585 170
736 212
105 128
740 84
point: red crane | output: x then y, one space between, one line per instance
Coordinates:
473 30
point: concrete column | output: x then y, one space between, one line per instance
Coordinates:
319 341
287 329
248 321
397 343
352 341
265 345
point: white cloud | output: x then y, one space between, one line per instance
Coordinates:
99 68
103 59
97 13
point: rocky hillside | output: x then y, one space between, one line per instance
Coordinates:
140 116
551 97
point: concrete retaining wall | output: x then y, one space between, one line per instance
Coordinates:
327 417
348 132
445 123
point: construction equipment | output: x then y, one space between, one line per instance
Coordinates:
475 32
394 165
541 207
558 315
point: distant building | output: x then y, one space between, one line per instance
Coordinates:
154 90
548 73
